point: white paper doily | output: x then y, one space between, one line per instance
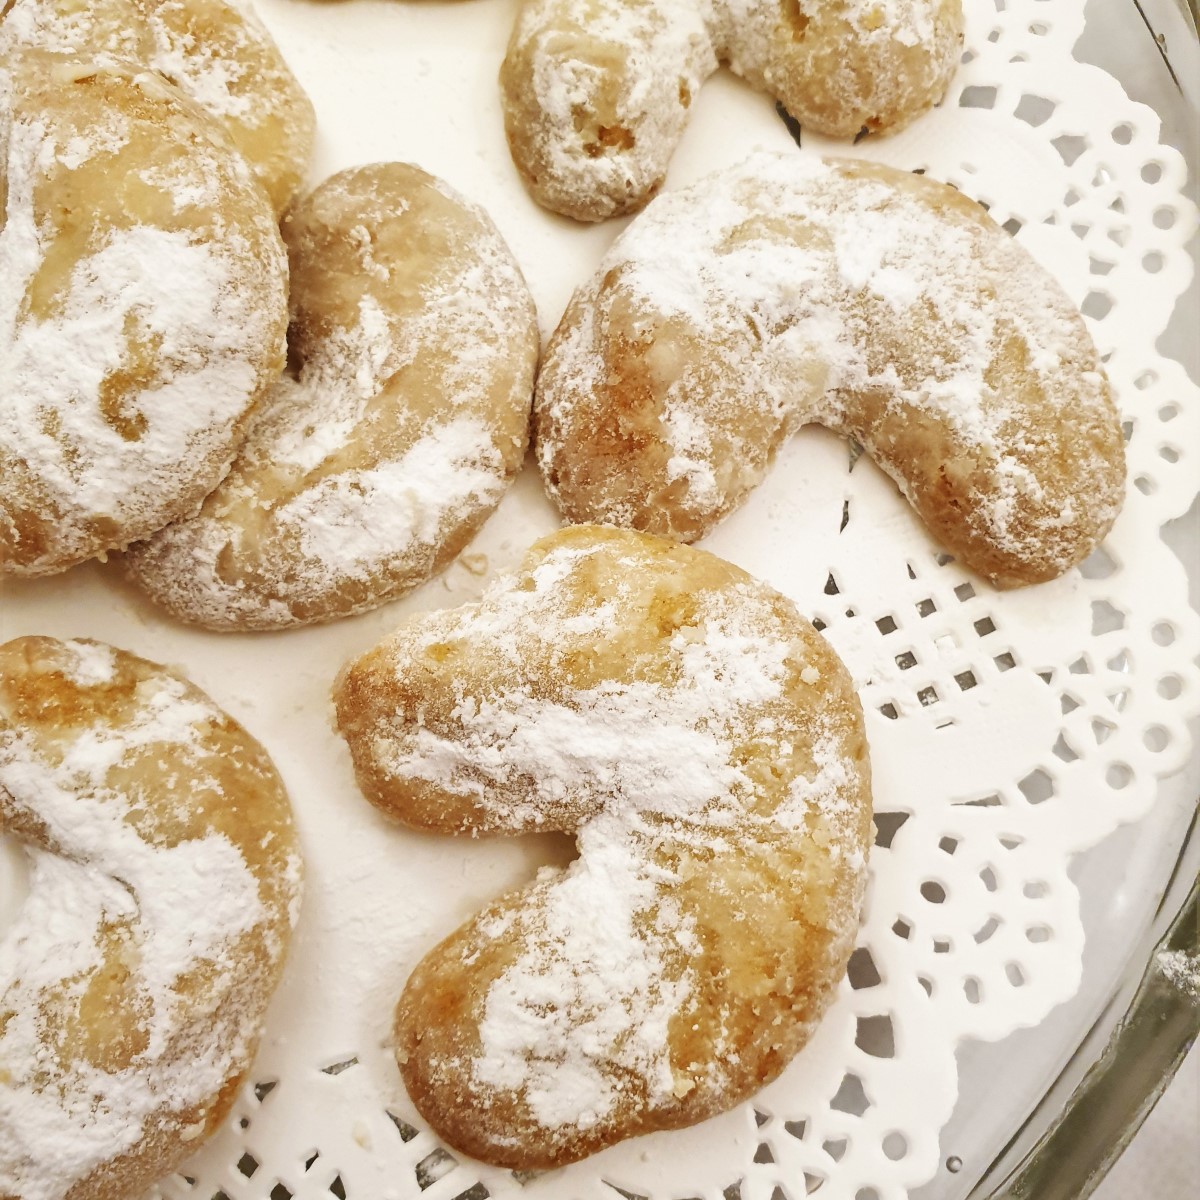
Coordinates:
1008 730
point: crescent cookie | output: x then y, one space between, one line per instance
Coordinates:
706 748
596 92
143 313
216 52
165 882
882 304
418 341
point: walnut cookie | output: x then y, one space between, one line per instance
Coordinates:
597 92
706 747
165 883
144 310
880 303
216 52
417 341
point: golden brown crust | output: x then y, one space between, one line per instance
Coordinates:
143 313
215 51
417 342
597 92
883 304
707 748
165 881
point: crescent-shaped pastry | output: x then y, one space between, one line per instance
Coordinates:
597 92
164 886
706 748
417 339
882 304
143 310
216 52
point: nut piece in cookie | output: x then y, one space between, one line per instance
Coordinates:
417 339
597 92
143 312
706 747
217 53
882 304
165 881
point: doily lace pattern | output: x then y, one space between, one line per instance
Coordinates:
1009 731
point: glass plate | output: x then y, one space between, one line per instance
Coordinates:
325 1114
1122 1038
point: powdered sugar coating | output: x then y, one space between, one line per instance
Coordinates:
143 310
706 747
164 884
597 92
418 340
882 304
216 51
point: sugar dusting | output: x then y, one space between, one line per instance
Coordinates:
167 329
402 431
136 31
217 53
215 78
828 296
599 91
348 519
655 769
664 50
136 277
723 263
1182 971
553 1027
179 911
